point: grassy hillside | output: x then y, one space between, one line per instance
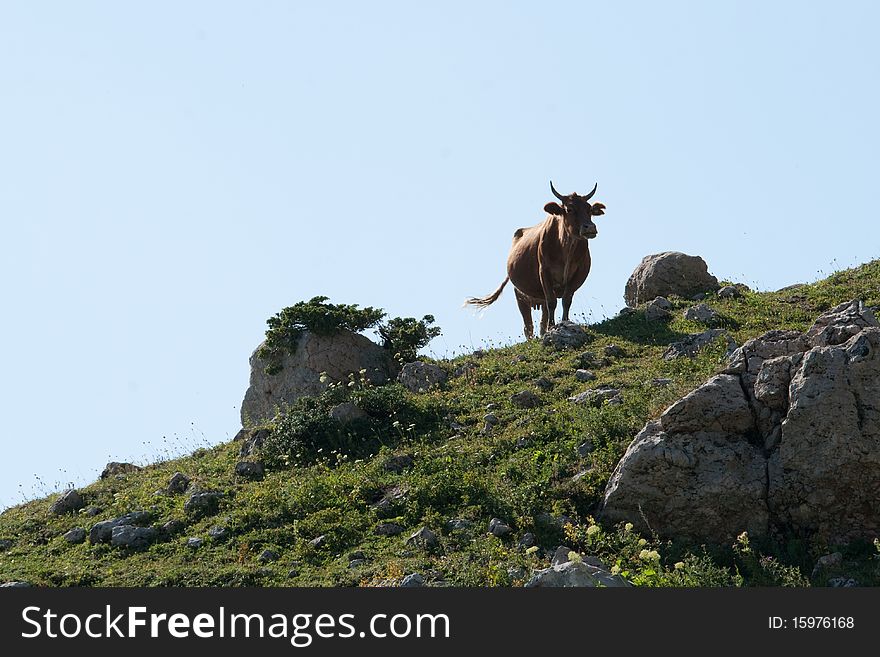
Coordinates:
530 469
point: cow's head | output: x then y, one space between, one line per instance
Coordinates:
577 212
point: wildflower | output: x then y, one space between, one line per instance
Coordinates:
628 527
615 569
643 541
679 565
592 529
532 549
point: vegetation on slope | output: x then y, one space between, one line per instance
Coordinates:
534 468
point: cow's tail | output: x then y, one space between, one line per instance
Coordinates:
482 302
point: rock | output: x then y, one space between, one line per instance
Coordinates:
388 529
173 527
178 483
668 273
490 420
658 310
347 412
398 463
575 573
588 359
194 542
543 383
560 556
785 443
702 313
597 397
68 502
421 377
15 585
498 527
131 537
585 448
522 442
76 535
267 555
842 582
690 346
580 475
826 562
219 532
93 511
114 468
334 356
356 563
527 540
660 382
613 351
253 441
584 375
459 524
203 503
412 580
249 469
424 538
525 399
566 335
318 541
6 543
626 311
102 532
729 292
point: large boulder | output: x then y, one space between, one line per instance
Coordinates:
335 356
784 443
668 273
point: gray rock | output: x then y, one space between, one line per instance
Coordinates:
421 377
93 511
660 382
613 351
424 538
219 532
585 448
194 542
498 527
729 292
718 406
68 502
398 463
412 580
334 356
543 383
523 442
76 535
597 397
575 573
560 556
5 544
702 313
267 555
318 541
178 483
626 311
584 375
173 527
656 312
356 563
525 399
459 524
102 532
347 412
669 273
131 537
826 562
842 582
566 335
527 540
388 529
115 468
690 346
203 503
15 585
249 469
840 324
253 441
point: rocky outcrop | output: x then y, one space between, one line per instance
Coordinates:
421 377
785 442
334 356
664 274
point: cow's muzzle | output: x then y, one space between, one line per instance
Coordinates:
589 233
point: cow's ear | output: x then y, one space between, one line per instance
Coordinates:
554 208
598 209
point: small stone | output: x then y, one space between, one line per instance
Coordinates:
388 529
580 475
575 573
68 502
459 524
729 292
218 532
421 377
842 582
347 412
613 351
490 420
424 538
702 313
75 535
527 540
543 383
658 310
598 396
253 441
498 527
660 382
203 503
102 532
525 399
173 527
93 511
560 556
519 358
626 311
134 538
318 541
397 464
268 555
585 448
522 442
114 468
249 469
178 483
412 580
491 406
293 572
566 335
357 554
826 562
15 585
584 375
356 563
193 542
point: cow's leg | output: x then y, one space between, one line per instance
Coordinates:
548 318
525 309
544 318
566 305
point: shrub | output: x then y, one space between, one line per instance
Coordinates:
404 336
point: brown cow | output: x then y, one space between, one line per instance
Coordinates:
550 260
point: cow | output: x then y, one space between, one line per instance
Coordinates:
550 260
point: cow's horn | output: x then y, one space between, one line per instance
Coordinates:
556 194
590 195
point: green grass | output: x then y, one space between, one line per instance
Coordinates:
522 470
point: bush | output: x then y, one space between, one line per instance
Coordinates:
316 316
404 336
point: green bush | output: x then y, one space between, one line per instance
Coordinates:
404 336
316 316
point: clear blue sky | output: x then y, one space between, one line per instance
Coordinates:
172 174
